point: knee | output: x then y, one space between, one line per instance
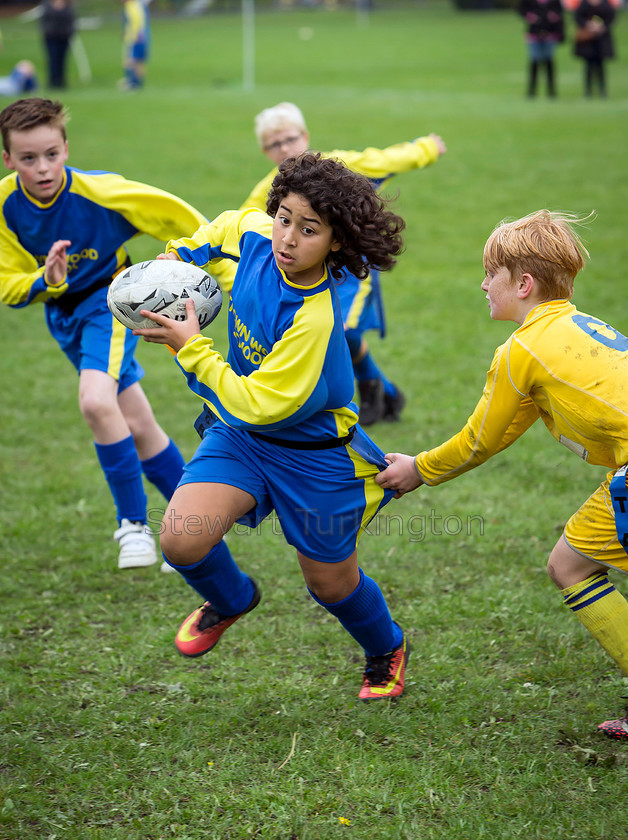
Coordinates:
330 593
141 430
97 408
554 573
330 588
176 547
182 539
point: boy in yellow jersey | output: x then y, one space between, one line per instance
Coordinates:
571 370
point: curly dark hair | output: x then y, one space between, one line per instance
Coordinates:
370 235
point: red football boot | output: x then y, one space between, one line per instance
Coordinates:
201 630
617 729
384 676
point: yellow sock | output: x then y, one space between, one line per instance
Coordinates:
604 612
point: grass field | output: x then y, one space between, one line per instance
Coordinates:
106 733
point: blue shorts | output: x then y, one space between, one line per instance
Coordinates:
139 51
93 339
361 303
323 499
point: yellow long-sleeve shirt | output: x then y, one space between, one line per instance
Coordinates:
562 365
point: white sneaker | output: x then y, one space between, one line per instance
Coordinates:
137 546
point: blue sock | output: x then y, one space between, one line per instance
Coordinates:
364 614
218 579
354 340
132 79
367 369
165 469
389 387
122 469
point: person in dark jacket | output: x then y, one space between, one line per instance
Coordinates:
57 24
544 29
594 41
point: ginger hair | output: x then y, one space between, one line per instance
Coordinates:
543 244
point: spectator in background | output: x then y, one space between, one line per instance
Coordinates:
136 42
22 79
594 41
57 24
544 29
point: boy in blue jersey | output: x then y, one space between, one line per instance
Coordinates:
136 40
281 132
62 239
571 370
285 434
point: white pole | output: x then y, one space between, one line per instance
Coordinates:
79 52
248 45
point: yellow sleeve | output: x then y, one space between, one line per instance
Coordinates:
285 384
221 237
259 193
379 164
22 279
151 210
501 416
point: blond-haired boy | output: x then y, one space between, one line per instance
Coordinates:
571 370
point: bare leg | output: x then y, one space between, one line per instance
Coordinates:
197 518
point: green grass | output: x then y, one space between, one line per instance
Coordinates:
106 732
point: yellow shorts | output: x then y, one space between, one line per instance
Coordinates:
591 530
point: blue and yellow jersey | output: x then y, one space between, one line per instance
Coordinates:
136 23
98 212
378 165
288 371
561 365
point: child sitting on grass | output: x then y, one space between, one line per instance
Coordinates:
285 434
571 370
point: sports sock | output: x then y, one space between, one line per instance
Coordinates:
218 579
365 616
367 369
132 79
165 469
604 612
121 466
354 340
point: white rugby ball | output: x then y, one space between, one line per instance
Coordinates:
163 286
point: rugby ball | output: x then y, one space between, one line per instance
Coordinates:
163 286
